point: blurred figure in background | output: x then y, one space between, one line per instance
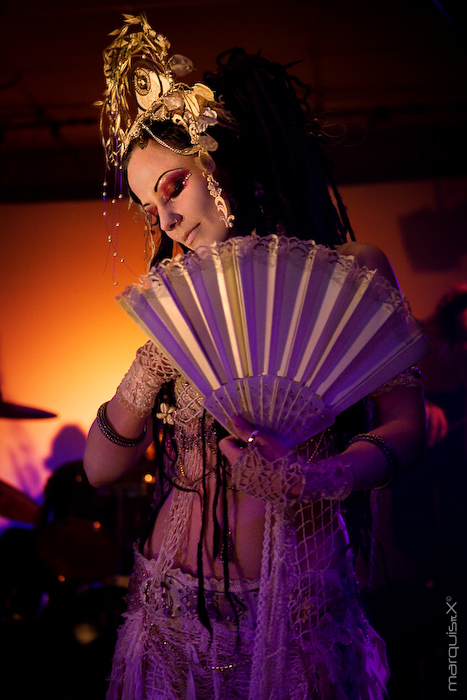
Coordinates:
421 522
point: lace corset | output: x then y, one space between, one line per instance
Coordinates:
191 429
189 405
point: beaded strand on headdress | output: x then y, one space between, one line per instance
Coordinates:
136 65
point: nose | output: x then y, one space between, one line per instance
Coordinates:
169 220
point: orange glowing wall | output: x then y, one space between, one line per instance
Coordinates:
65 343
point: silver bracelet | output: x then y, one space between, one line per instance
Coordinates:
391 457
109 433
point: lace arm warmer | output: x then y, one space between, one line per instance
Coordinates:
290 479
409 379
141 384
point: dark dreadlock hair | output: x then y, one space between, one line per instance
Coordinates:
280 178
270 158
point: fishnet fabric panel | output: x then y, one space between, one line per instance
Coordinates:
317 523
189 405
176 530
317 585
315 526
149 371
312 640
289 479
269 669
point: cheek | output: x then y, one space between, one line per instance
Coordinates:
205 199
203 203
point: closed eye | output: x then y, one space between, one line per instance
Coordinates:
175 186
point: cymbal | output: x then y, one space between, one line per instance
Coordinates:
15 411
16 505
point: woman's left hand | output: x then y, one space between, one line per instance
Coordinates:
268 471
246 434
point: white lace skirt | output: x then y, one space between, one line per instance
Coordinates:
164 652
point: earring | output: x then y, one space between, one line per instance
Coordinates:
215 190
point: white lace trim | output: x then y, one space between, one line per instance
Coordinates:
410 379
141 384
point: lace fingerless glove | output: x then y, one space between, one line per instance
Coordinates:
289 480
141 384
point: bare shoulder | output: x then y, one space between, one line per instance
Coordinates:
369 256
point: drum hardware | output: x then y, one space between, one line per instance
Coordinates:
16 411
16 505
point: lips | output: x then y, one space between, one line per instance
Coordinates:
190 235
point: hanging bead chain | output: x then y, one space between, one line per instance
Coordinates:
184 661
112 220
317 445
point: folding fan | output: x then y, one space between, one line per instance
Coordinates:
284 332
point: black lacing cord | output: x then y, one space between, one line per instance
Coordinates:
221 467
216 544
201 606
221 489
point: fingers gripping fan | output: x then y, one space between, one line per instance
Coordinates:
284 332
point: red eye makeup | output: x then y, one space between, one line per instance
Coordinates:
174 184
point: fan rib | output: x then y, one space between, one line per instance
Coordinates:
286 333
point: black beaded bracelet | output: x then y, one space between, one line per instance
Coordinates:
109 433
391 458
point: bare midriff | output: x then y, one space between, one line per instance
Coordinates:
246 517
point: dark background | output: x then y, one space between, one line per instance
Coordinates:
392 77
394 73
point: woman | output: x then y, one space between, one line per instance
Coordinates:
244 586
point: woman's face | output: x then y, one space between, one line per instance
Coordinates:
172 188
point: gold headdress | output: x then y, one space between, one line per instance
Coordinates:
136 65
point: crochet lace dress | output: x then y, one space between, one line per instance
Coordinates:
299 634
